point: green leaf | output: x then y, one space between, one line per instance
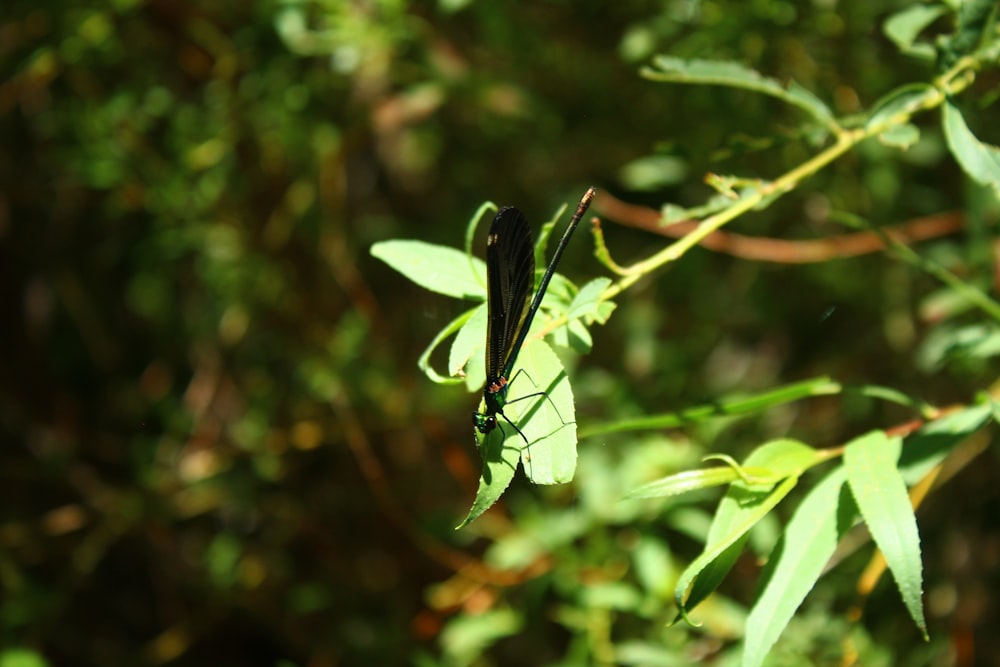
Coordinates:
808 543
980 161
546 418
578 337
900 136
610 595
976 24
672 213
649 654
927 447
559 294
587 301
904 26
879 490
499 466
604 310
735 75
437 268
654 566
424 363
898 105
547 421
692 480
653 172
738 512
21 657
467 636
821 386
682 482
741 509
969 345
784 458
469 346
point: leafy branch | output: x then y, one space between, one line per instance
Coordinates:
891 113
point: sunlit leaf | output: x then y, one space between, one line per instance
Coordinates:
904 26
808 542
979 160
437 268
540 405
468 348
587 300
879 490
741 508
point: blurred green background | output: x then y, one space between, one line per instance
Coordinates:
217 448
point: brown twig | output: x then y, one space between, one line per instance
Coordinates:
780 250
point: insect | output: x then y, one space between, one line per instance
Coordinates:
510 273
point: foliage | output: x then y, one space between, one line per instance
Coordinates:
219 447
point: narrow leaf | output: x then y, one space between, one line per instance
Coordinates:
735 75
741 509
881 496
777 460
807 545
784 458
682 482
424 363
468 346
578 337
738 512
927 447
499 466
821 386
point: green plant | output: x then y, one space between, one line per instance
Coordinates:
865 480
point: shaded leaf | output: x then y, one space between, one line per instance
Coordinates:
735 75
499 466
976 23
927 447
